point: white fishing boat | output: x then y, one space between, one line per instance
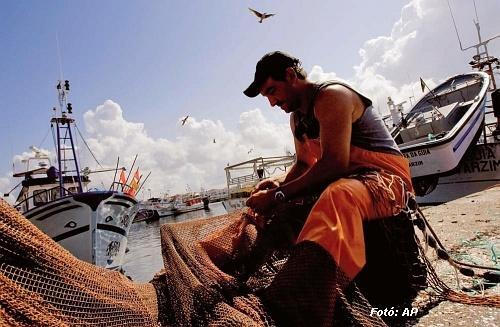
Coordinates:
435 134
154 208
189 202
92 225
457 156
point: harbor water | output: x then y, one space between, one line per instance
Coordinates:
144 258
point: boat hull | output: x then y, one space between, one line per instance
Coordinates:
479 170
431 158
187 208
93 226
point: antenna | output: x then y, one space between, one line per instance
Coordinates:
475 10
412 90
455 25
59 57
482 61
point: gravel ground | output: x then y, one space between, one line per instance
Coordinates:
469 229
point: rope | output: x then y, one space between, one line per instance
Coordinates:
83 139
44 138
440 249
443 290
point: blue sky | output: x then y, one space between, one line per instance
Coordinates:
158 61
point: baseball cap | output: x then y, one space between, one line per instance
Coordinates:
272 63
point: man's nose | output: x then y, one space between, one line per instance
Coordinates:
272 101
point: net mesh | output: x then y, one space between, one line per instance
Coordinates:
226 271
42 284
219 271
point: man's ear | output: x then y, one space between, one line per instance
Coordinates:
290 75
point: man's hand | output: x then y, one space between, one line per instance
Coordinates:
266 184
262 202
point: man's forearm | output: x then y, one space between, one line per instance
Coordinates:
312 180
297 170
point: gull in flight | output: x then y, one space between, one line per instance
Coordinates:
249 151
261 16
184 120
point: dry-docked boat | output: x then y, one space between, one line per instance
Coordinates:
435 134
435 180
92 225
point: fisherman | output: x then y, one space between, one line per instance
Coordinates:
344 152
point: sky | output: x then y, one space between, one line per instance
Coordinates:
137 68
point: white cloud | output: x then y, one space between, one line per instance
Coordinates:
196 157
422 43
6 186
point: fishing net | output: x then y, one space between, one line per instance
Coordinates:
227 271
220 271
42 284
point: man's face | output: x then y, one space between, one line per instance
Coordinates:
281 94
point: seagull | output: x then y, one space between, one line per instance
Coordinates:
250 150
261 16
184 120
214 140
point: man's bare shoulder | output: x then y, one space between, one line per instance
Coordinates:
333 95
335 92
337 96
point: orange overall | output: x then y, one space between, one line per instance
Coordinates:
336 220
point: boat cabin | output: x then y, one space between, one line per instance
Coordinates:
41 185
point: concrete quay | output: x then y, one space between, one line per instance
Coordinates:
469 228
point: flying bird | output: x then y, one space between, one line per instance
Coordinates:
184 120
249 151
261 16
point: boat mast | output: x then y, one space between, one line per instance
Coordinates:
481 61
62 123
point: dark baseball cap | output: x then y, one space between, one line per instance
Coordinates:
272 63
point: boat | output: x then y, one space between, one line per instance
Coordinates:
189 202
154 209
454 151
93 225
435 134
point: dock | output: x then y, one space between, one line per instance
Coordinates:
469 228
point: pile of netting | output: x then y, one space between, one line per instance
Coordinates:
42 284
219 271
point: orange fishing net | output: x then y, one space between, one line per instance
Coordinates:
219 271
42 284
239 274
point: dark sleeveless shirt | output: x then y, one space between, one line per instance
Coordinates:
368 132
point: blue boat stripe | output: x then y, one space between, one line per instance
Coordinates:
58 211
34 212
71 233
467 131
126 205
112 228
